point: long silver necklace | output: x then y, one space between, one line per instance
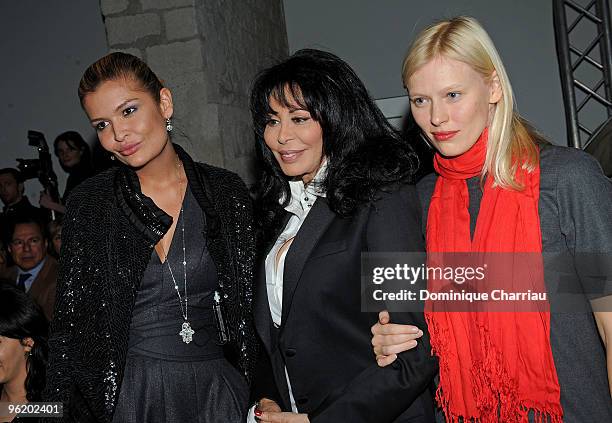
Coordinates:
186 331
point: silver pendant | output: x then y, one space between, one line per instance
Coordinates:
187 333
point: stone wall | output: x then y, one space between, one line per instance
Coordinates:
207 52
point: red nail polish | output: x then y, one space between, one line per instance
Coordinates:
258 413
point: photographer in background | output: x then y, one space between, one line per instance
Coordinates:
74 156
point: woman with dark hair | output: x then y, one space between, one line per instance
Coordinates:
23 347
153 318
75 159
74 156
335 183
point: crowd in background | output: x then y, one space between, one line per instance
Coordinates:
30 241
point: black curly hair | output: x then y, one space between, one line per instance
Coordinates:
364 152
21 318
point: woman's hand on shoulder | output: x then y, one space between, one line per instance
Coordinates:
390 339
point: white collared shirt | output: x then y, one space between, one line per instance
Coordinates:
302 200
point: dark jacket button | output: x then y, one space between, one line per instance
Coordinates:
290 352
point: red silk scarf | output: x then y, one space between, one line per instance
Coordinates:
494 366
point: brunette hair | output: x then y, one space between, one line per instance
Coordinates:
14 172
119 65
26 219
75 141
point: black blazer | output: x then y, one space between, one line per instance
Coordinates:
325 339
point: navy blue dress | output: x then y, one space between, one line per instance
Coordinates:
167 380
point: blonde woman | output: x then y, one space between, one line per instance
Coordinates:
500 187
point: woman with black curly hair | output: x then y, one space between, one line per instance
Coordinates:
335 183
23 347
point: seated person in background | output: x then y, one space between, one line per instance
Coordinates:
54 229
16 204
75 158
34 272
23 348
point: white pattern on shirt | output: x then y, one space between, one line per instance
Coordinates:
302 200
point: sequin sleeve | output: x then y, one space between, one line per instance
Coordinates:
243 237
234 208
60 368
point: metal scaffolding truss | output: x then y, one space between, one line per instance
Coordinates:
582 32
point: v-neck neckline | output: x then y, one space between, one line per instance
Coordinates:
176 229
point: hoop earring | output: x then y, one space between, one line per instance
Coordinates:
169 126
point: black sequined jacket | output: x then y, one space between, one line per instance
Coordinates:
108 236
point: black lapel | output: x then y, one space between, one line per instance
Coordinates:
140 210
317 221
214 232
277 228
263 318
201 190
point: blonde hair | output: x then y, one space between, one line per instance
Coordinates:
512 140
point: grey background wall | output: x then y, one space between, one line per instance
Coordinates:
207 52
44 47
373 37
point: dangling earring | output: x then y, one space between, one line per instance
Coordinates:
169 126
112 157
